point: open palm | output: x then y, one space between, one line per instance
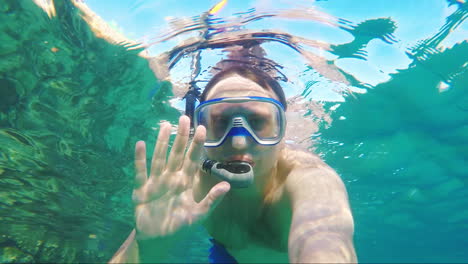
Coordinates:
164 203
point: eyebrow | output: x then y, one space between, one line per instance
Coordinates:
243 109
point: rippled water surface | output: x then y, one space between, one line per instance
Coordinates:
377 88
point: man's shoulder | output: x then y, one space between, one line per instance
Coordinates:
301 171
307 170
295 158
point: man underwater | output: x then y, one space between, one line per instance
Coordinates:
260 199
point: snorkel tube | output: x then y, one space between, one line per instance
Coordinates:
238 173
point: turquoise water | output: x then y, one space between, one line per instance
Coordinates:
72 105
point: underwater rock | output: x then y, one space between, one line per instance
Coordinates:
56 153
8 95
11 61
14 255
8 45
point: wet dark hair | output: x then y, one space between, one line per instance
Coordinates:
255 75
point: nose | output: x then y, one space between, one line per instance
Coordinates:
239 142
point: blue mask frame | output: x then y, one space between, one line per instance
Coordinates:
239 125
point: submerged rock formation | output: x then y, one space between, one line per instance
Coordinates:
72 105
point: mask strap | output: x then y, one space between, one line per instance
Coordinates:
191 98
193 93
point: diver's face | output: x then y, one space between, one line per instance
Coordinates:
244 148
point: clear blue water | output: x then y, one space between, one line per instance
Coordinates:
72 105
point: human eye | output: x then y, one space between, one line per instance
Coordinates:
257 122
220 119
219 124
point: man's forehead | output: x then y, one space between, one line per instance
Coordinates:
249 107
238 86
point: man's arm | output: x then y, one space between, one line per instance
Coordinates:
154 250
128 252
322 224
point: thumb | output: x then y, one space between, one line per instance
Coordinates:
214 197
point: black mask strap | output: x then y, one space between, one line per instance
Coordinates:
191 98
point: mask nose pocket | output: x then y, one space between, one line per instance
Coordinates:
239 142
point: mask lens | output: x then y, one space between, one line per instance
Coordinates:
262 118
215 122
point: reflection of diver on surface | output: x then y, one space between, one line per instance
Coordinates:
219 34
381 28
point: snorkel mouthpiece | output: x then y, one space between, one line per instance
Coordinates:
238 173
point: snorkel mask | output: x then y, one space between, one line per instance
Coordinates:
259 118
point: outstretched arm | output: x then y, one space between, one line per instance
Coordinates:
322 224
154 250
128 252
164 205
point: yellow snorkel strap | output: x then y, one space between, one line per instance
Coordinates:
215 9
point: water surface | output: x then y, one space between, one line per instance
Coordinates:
72 105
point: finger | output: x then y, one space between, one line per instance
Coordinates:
140 164
158 162
178 150
214 197
192 161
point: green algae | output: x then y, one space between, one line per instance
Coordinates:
403 144
72 107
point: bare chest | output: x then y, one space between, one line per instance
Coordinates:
251 232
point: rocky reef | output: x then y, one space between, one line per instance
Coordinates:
72 105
